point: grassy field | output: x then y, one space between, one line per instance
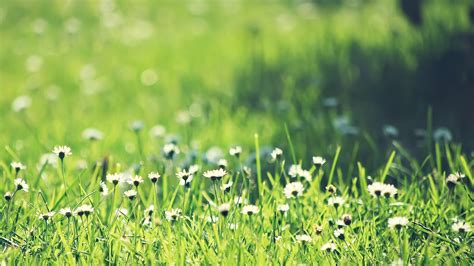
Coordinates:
228 132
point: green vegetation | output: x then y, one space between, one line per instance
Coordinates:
173 90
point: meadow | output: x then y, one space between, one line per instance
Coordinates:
236 132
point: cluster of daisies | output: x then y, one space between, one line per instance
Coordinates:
297 180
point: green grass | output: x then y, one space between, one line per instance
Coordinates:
250 74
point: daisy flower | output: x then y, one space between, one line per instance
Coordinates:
153 176
85 209
173 214
318 160
114 178
62 151
226 187
130 194
347 219
453 179
397 222
157 131
212 219
66 212
103 189
92 134
276 154
339 233
193 169
240 200
336 201
170 150
137 126
215 174
149 211
46 216
318 229
17 166
121 212
376 189
185 178
306 175
250 209
461 227
293 190
331 189
329 246
303 238
8 196
135 180
21 184
224 209
390 191
235 151
283 208
294 170
222 163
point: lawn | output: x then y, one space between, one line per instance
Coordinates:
235 132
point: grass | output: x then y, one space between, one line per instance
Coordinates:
216 75
103 237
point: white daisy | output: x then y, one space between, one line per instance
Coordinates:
397 222
331 189
222 163
21 184
235 151
185 178
250 209
17 166
103 189
135 180
293 190
62 151
114 178
339 233
226 187
149 211
347 219
283 208
170 150
173 214
193 169
376 189
66 212
121 211
304 238
306 175
137 125
215 174
46 216
157 131
85 209
329 246
8 196
453 179
92 134
153 176
21 103
461 227
224 209
130 194
318 160
336 201
294 170
240 200
276 154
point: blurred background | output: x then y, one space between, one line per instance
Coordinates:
356 73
